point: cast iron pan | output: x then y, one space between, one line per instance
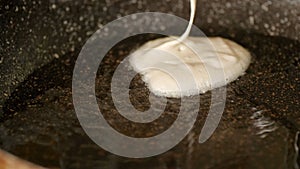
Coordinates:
41 40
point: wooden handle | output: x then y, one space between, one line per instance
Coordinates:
9 161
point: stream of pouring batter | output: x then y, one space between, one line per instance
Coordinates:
192 17
163 63
188 28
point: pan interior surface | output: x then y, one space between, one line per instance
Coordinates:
259 124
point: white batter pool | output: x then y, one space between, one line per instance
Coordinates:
168 64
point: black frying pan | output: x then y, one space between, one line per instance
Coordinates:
40 42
